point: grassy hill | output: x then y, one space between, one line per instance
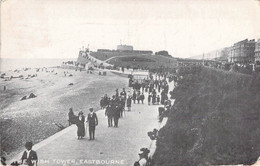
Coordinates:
145 61
104 55
215 120
130 59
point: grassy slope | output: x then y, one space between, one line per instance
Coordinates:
216 121
106 55
156 60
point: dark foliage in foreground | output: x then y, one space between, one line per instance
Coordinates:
217 120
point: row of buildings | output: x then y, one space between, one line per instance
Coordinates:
244 52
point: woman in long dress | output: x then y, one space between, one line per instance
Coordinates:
81 125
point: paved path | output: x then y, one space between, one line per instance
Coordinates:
119 145
113 146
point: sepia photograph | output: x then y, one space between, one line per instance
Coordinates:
130 82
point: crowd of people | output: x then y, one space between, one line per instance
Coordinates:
156 88
115 106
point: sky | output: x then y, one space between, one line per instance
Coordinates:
185 28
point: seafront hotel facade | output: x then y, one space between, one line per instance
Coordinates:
257 52
242 52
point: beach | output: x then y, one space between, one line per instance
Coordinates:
34 119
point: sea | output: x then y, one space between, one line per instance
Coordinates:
12 64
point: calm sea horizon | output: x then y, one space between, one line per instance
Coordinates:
12 64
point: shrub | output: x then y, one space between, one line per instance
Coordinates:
216 122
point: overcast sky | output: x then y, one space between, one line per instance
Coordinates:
58 28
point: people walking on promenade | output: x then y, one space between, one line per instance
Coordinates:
102 103
142 98
146 88
143 86
117 93
121 105
116 108
81 125
159 86
163 98
158 99
92 123
109 114
123 93
138 96
149 98
129 103
166 88
156 83
72 117
29 156
106 100
134 96
154 96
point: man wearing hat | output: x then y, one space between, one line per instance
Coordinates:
29 156
92 122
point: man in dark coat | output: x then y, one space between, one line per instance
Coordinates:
129 103
142 98
72 117
134 96
93 122
121 106
106 100
116 113
29 156
109 114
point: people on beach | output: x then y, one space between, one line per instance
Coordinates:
29 156
81 125
92 123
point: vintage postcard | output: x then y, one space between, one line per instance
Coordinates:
131 83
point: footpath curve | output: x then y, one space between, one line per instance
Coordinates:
113 146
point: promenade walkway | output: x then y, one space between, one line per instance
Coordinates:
113 146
